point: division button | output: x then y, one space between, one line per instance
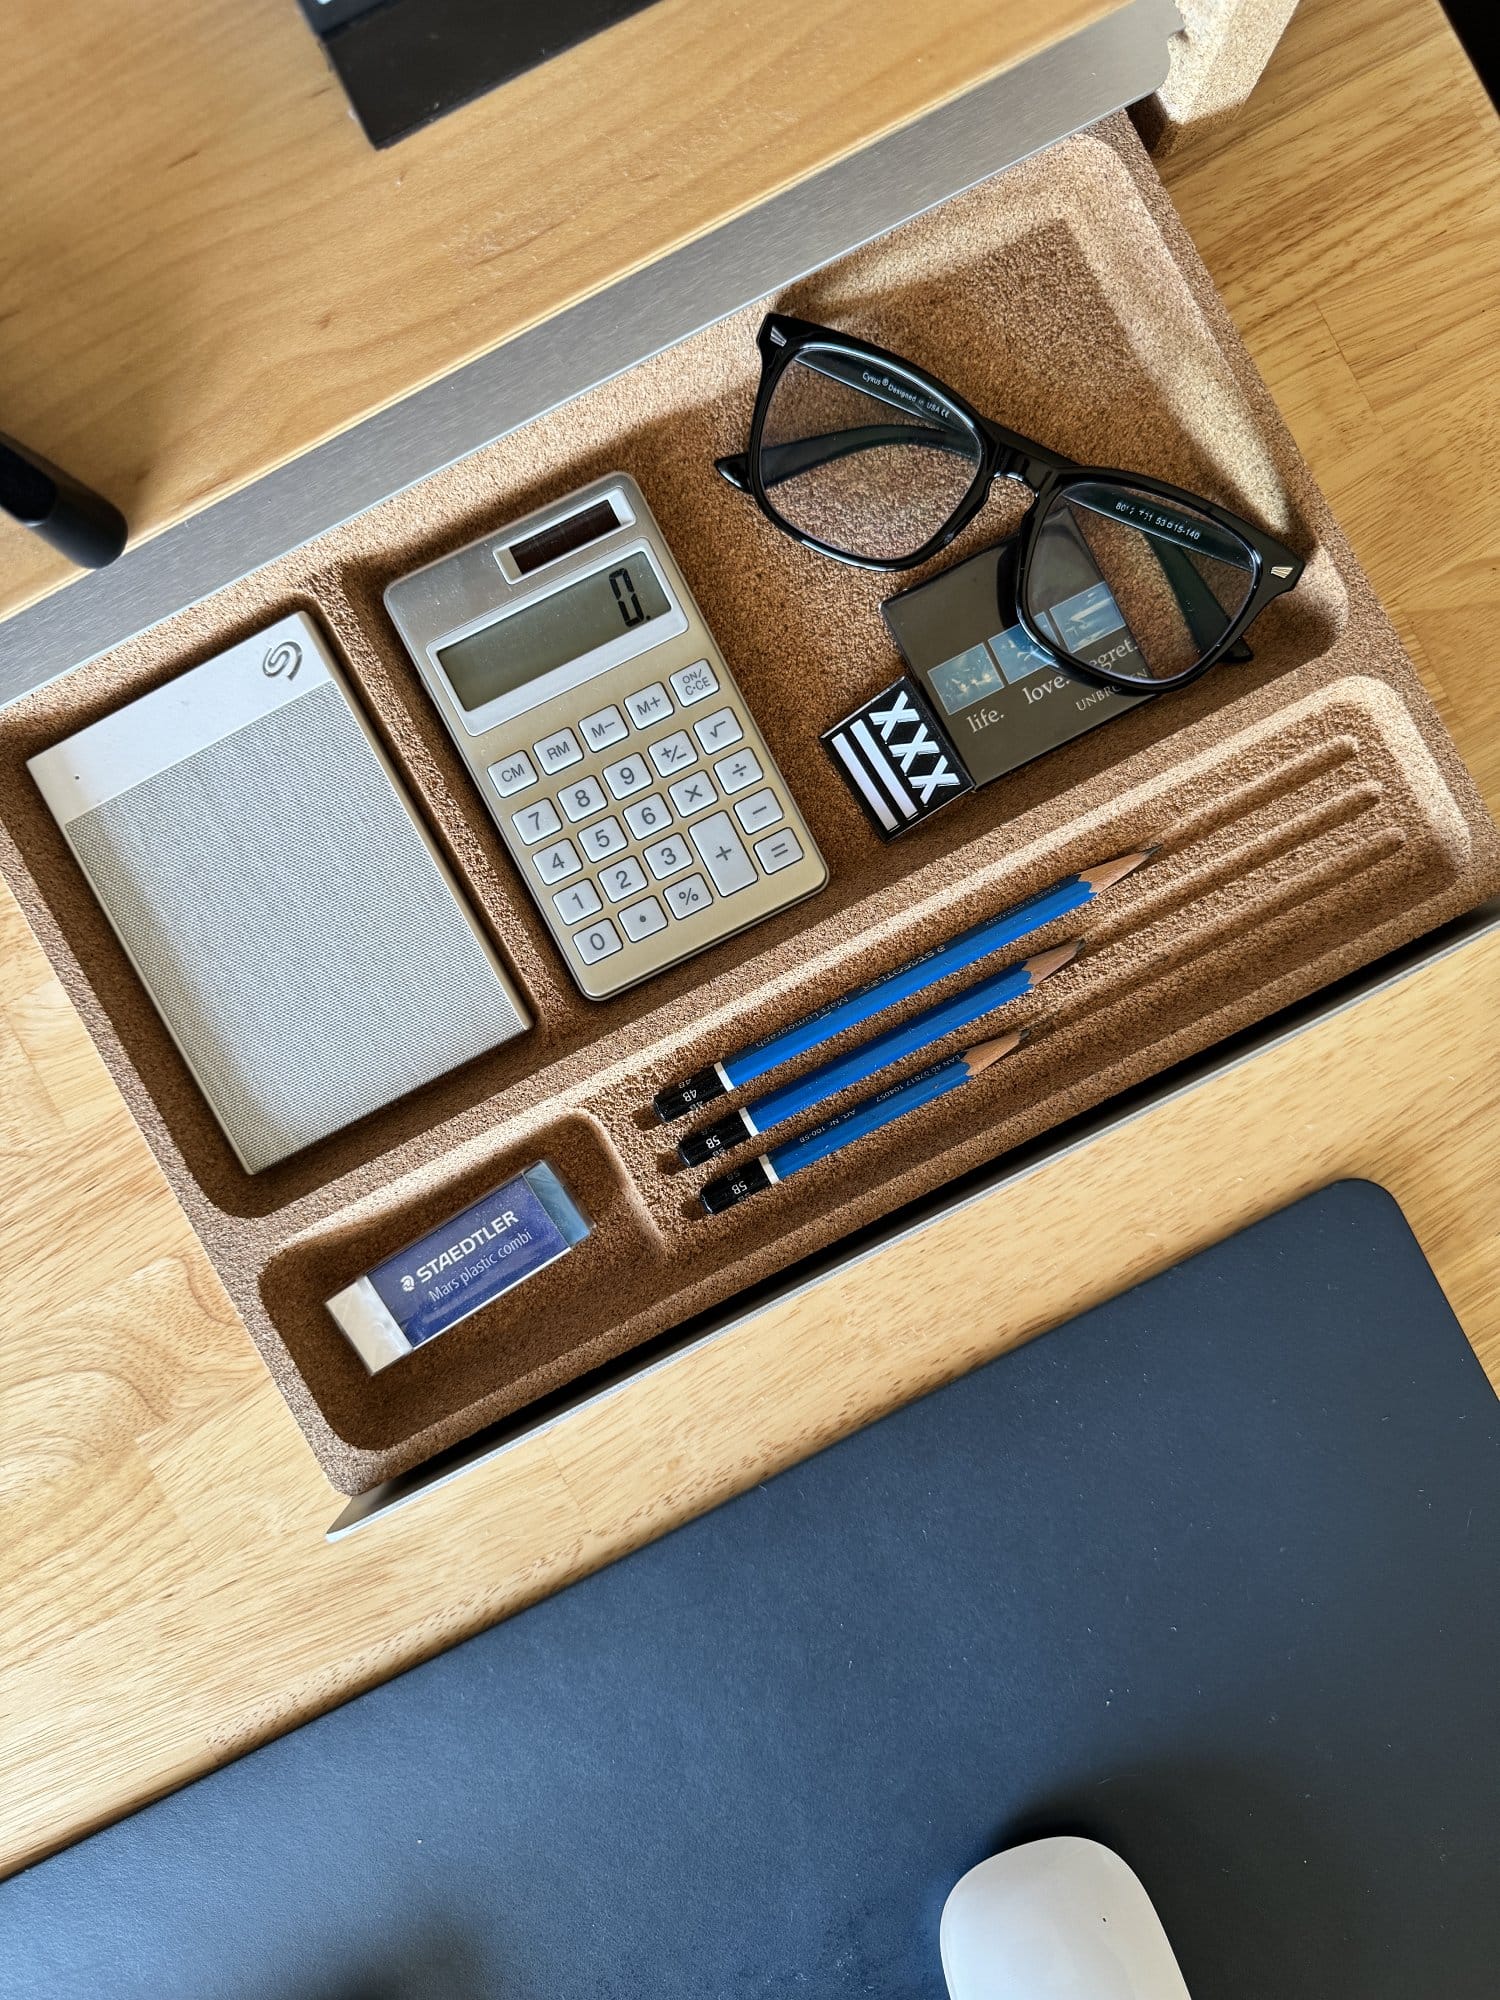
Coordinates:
737 772
576 903
556 864
692 794
719 730
761 809
648 816
604 727
602 840
687 896
643 920
600 940
695 683
649 705
674 753
535 823
512 774
579 800
620 879
631 774
556 753
778 850
723 853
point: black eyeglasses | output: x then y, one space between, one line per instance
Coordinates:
862 456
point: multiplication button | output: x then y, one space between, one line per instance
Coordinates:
643 919
760 810
695 683
600 940
688 896
778 851
692 794
723 854
512 774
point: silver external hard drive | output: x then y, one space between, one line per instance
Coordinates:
289 915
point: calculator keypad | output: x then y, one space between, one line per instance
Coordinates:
634 862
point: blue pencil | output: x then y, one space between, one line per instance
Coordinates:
916 976
868 1116
856 1065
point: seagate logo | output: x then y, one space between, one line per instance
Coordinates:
283 658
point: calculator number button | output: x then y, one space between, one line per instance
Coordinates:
737 772
674 753
761 809
579 800
668 856
631 774
556 753
695 683
534 823
648 816
622 878
604 727
649 705
600 940
512 774
689 895
578 902
719 730
643 920
601 841
556 864
778 851
723 854
691 795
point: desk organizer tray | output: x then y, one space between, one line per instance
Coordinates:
1313 815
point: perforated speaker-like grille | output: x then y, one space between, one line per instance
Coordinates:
303 944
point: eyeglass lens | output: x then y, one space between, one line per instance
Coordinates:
862 457
1140 587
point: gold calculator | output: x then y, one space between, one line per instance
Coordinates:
609 741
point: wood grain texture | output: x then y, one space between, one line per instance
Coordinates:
167 1598
223 271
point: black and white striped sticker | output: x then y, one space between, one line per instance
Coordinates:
896 759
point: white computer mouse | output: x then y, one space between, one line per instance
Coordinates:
1061 1919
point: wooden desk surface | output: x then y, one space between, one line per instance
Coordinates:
165 1594
226 273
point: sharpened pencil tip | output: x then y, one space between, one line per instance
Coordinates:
1108 873
1047 962
984 1053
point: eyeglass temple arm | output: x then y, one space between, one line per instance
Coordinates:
780 462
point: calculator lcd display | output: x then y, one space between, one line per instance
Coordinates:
563 626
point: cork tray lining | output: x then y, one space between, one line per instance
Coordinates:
1314 813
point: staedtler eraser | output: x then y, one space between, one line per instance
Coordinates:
514 1232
